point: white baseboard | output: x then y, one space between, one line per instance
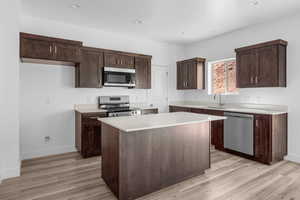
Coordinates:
293 158
11 172
47 152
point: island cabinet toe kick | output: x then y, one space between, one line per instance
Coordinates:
140 162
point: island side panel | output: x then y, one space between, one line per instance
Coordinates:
110 157
153 159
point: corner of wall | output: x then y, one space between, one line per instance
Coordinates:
10 172
293 158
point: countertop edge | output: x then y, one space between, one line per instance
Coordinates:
229 110
217 118
87 111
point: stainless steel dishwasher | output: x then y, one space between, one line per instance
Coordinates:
238 132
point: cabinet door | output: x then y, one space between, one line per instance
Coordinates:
267 69
118 60
263 140
143 73
192 75
38 49
185 74
180 84
217 130
91 137
66 52
217 127
246 68
90 69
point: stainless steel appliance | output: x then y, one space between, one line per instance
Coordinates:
238 133
117 106
119 77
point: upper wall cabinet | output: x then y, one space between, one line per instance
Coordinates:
36 48
143 72
191 74
121 60
89 71
262 65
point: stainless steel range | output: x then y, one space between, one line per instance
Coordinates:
117 106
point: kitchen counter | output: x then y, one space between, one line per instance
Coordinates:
144 122
240 108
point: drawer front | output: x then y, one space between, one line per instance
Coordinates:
179 109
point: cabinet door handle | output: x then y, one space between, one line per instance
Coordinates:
50 48
55 49
256 123
256 79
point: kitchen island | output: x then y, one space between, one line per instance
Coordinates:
143 154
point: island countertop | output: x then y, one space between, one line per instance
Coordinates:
162 120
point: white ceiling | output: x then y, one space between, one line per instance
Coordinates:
173 21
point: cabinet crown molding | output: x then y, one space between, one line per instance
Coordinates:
263 44
197 59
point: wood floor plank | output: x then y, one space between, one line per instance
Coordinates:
68 176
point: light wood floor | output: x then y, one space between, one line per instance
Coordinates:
68 176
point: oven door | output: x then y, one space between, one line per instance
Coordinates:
119 77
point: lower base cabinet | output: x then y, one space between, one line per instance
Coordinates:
270 138
217 127
270 134
88 134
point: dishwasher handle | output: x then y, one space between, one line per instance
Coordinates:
238 115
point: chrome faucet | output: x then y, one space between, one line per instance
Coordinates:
220 99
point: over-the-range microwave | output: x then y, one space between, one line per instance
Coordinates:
118 77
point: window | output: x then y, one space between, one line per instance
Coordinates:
222 77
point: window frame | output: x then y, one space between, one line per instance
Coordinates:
210 77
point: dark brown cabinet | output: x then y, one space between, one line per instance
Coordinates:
115 59
270 138
179 109
89 71
191 74
89 62
217 127
66 52
262 65
43 49
88 134
36 49
143 72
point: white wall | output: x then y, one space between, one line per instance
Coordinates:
223 47
9 89
48 94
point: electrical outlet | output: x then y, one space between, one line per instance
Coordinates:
47 139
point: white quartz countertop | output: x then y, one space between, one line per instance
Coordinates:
90 110
255 109
162 120
93 108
